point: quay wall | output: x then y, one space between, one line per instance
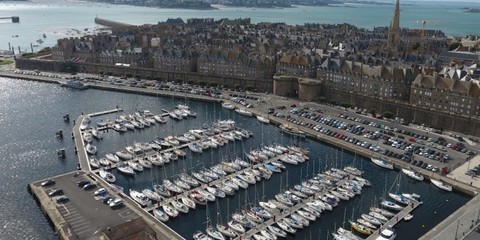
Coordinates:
49 209
262 85
410 113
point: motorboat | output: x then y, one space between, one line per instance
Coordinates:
97 134
292 223
85 122
228 106
292 131
152 195
225 230
124 155
108 176
277 231
140 198
188 202
391 205
216 192
94 163
179 206
189 180
170 211
361 228
308 216
236 227
145 163
382 163
267 234
353 170
91 149
214 233
156 160
263 120
125 169
375 216
112 157
441 184
179 182
172 187
286 227
348 234
160 215
210 197
387 234
159 118
382 211
366 223
252 216
399 198
197 198
104 162
408 217
200 236
160 189
371 219
243 112
413 174
135 166
260 211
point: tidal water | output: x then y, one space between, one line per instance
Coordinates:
31 113
60 19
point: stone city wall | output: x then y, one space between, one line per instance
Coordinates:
263 85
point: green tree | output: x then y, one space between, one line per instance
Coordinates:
387 114
453 46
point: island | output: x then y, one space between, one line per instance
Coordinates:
471 10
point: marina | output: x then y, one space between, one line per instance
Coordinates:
307 168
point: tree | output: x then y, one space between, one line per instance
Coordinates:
387 114
453 46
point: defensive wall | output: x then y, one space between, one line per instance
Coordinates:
262 85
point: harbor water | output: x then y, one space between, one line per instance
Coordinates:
31 113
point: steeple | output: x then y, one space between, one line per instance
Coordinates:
393 40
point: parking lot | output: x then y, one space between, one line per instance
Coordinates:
85 214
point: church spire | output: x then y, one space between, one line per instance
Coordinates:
393 40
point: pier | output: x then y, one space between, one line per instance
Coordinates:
110 23
395 219
15 19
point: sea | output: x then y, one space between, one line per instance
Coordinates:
42 22
31 113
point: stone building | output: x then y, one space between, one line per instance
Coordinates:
175 60
446 94
298 66
234 63
377 80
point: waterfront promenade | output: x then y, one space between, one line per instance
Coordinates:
462 216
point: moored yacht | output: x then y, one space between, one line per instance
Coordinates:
441 184
382 163
413 174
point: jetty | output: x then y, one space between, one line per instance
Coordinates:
110 23
396 219
15 19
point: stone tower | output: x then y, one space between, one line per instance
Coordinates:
393 40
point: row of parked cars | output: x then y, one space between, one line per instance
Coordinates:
385 133
56 193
